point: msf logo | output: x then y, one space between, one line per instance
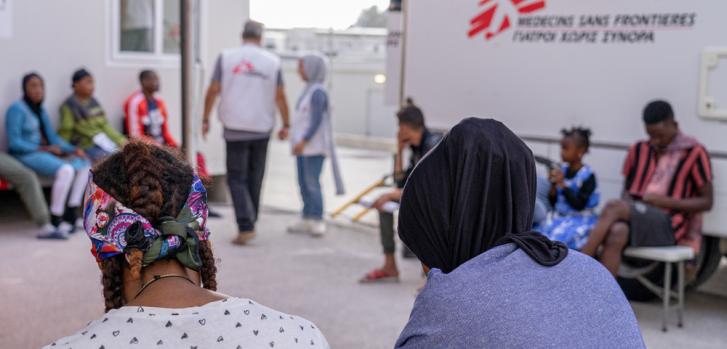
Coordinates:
498 15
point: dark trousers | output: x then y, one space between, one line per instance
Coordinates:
386 227
245 171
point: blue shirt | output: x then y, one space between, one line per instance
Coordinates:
504 299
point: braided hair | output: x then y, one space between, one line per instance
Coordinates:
581 135
155 183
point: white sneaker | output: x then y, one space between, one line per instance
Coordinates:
50 232
317 228
301 227
65 228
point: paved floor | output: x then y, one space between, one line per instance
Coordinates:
50 289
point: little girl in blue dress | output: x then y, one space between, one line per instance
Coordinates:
573 192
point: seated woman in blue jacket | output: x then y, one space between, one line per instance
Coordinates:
33 141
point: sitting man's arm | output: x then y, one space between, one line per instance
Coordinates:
394 195
700 203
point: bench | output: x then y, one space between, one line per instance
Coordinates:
668 255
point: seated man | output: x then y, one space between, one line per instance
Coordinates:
146 117
668 185
84 123
413 133
146 113
25 182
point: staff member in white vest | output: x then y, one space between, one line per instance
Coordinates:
250 86
312 141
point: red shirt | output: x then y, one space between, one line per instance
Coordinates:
678 173
143 123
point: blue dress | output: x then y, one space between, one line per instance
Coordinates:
24 139
566 223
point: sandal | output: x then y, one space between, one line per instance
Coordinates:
378 276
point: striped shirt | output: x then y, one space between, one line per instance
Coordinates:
679 173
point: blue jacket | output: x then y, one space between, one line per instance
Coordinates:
23 130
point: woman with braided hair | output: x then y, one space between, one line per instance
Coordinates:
146 212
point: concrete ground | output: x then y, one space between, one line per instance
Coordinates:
51 289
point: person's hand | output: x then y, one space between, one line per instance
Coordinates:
283 133
205 128
80 153
556 177
656 200
383 199
53 149
401 141
299 147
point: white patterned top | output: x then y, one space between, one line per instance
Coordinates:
230 323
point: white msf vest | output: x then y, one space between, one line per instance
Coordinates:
249 84
322 141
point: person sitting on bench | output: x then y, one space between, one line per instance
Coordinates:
84 123
26 184
414 133
668 184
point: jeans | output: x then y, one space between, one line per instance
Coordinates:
25 182
245 171
309 174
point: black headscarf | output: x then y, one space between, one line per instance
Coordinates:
35 107
474 191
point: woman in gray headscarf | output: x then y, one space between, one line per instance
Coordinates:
312 141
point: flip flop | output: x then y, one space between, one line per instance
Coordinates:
378 276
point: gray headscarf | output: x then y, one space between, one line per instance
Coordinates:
315 66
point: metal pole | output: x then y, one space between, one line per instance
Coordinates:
187 67
402 42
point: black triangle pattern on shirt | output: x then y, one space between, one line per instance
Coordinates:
202 322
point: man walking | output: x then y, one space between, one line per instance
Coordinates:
249 83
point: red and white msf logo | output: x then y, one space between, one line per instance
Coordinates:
498 15
243 67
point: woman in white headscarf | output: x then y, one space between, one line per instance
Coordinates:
312 142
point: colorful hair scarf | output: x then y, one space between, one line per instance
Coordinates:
114 227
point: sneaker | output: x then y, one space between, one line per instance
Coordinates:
49 232
301 227
213 214
244 237
47 229
66 228
317 228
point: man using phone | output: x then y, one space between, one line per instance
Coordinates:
667 187
414 134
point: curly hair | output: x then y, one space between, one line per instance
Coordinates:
155 183
581 135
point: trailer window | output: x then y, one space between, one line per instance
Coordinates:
171 34
145 30
137 26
